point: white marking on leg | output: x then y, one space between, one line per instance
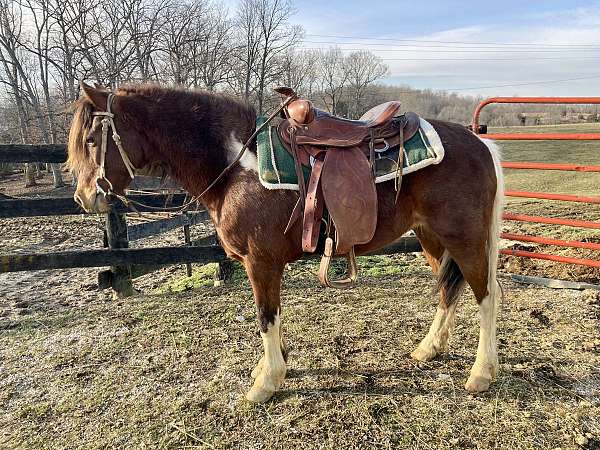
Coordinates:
272 371
436 341
248 161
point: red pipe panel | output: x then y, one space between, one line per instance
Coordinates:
550 241
543 136
540 100
551 220
563 259
544 166
549 196
543 195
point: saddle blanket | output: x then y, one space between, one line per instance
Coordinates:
276 165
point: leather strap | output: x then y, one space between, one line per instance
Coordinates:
296 214
297 163
399 165
372 152
313 208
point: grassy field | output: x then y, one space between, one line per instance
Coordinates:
569 152
169 368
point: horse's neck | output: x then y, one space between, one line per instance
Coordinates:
195 161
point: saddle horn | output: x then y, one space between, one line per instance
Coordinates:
299 110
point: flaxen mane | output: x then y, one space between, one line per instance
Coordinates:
80 127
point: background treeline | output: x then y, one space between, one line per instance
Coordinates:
46 46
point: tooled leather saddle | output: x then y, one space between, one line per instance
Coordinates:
341 153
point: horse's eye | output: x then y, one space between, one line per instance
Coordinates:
90 140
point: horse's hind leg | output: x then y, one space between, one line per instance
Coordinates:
450 282
480 272
270 371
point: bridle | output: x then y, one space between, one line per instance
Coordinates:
108 122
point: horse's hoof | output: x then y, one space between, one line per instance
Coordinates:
477 383
259 394
256 371
423 355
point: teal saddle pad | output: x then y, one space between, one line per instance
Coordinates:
276 168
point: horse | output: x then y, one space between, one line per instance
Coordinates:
453 207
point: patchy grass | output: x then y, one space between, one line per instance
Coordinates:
201 277
170 370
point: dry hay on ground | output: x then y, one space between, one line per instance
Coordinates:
170 370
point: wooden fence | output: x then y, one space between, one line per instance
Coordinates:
125 263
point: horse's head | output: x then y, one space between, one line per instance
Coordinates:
104 148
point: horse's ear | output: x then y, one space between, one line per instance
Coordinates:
98 97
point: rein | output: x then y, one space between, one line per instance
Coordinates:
108 122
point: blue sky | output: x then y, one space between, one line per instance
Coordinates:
562 42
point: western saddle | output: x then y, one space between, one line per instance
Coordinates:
341 153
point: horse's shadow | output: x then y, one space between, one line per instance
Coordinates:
537 374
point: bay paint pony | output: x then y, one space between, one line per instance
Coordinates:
454 207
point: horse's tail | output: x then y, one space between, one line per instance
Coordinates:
450 279
496 219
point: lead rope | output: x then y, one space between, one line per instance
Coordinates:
247 145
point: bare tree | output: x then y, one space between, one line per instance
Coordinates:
266 34
362 68
334 77
144 24
183 25
40 47
248 53
216 47
277 37
12 63
298 70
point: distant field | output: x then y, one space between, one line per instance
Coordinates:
575 152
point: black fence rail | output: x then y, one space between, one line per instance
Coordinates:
43 153
125 263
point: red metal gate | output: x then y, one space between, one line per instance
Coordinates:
546 195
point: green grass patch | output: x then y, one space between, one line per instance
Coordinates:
381 266
201 277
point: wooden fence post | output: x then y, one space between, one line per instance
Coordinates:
224 270
116 236
188 241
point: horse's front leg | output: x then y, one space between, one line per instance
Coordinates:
270 371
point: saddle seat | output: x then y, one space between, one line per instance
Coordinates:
321 129
341 153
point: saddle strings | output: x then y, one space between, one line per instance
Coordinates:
399 163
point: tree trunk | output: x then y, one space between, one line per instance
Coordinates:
57 176
30 175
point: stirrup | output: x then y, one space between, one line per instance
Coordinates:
352 271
